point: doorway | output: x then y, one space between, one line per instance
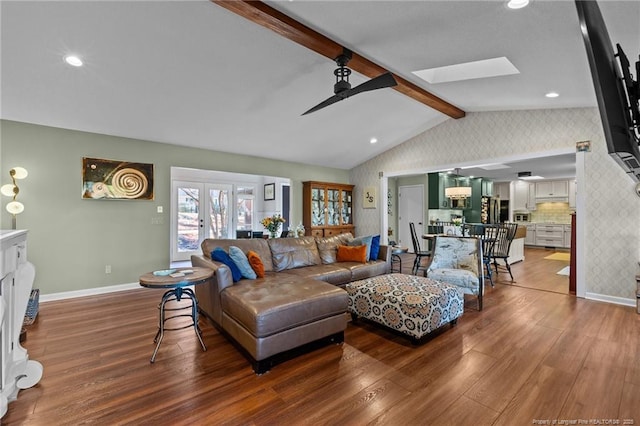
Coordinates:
201 211
410 209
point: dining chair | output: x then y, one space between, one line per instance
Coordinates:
458 261
487 233
420 254
504 236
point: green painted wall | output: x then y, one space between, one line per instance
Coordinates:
71 240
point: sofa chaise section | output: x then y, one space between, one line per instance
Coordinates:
299 301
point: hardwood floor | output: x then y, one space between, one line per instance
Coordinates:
529 355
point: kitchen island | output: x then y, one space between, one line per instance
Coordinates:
516 251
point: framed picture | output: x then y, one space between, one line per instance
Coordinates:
116 180
369 197
269 191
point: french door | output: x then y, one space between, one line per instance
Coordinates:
199 211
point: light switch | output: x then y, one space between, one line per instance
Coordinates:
159 209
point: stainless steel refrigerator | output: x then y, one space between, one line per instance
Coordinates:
489 210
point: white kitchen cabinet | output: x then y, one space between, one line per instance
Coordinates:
531 200
501 190
530 239
17 275
552 189
567 236
520 195
549 235
572 194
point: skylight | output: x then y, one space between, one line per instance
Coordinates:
468 71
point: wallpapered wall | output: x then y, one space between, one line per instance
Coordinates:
612 212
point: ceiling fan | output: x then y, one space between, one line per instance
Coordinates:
342 88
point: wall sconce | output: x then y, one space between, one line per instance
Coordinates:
11 190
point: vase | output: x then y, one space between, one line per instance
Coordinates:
273 234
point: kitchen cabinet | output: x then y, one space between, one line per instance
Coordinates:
531 200
501 190
523 196
487 188
473 212
438 182
530 238
549 235
520 195
552 189
572 194
327 208
567 236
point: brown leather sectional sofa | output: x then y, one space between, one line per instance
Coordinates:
299 301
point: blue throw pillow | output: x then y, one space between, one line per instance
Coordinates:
241 261
375 247
221 256
363 241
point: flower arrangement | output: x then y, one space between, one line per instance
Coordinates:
272 224
457 222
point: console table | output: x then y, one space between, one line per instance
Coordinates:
178 287
16 279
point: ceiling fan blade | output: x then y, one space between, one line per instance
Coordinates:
379 82
325 103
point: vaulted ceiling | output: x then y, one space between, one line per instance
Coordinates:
196 74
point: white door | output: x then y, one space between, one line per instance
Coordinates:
410 209
199 211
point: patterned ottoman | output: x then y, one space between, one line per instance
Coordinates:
410 304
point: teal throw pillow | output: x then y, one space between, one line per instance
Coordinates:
218 254
375 247
363 241
241 261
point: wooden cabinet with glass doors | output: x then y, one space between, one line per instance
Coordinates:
327 208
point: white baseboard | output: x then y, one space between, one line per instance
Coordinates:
611 299
87 292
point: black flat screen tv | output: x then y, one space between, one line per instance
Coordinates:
616 91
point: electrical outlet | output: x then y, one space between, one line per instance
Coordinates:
160 209
107 269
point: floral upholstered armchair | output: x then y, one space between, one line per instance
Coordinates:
458 261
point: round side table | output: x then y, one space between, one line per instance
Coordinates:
178 287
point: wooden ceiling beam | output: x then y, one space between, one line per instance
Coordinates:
268 17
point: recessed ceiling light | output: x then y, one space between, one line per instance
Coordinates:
517 4
73 60
552 95
373 140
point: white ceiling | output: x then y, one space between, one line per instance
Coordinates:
192 73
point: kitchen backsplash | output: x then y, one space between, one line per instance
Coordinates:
443 215
552 212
